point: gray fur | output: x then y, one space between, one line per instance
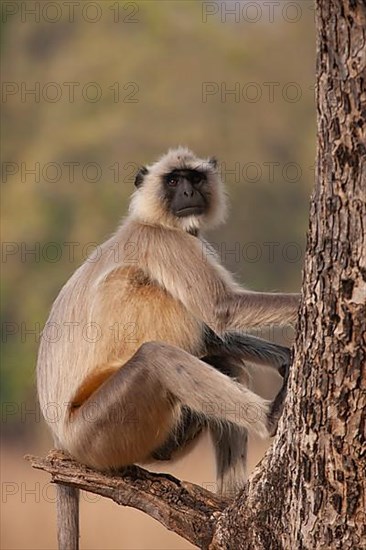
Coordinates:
113 401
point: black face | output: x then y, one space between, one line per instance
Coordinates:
185 192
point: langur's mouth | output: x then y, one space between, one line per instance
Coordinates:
190 211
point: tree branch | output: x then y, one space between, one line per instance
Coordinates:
182 507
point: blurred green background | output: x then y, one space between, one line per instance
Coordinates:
115 84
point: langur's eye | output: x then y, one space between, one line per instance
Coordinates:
173 181
198 178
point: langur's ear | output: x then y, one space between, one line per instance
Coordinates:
214 162
139 179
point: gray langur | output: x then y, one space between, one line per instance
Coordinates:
152 346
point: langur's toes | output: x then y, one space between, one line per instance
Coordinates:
276 408
285 367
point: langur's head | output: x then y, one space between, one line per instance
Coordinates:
180 190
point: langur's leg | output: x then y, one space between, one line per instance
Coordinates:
260 351
132 413
236 346
189 426
230 441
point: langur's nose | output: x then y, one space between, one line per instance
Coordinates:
187 189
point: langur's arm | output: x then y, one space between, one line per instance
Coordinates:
179 263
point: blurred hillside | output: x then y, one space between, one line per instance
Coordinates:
109 96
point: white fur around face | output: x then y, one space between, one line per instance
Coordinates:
147 203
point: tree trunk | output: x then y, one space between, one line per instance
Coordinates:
309 491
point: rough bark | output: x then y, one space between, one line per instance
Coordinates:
309 492
182 507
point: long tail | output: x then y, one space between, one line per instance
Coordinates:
231 447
